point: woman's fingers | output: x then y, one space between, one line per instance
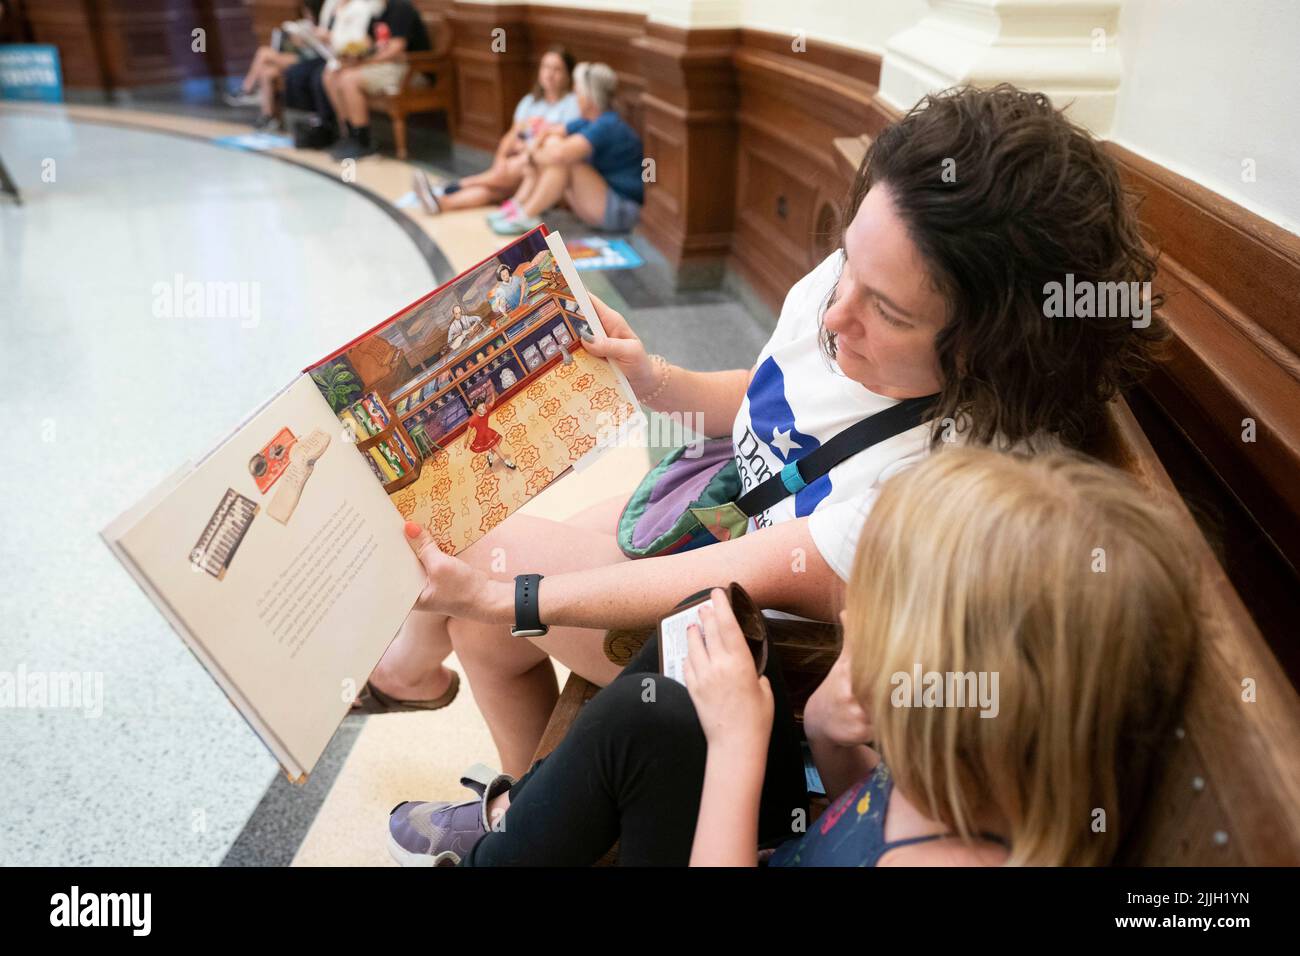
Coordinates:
697 653
611 321
426 549
721 631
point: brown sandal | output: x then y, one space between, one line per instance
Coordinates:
372 700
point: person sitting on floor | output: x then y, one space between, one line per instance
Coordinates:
551 105
1039 696
397 30
594 165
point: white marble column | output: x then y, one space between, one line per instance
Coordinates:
1067 49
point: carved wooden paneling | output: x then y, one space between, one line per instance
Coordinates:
789 187
70 26
231 40
492 68
120 44
148 42
689 132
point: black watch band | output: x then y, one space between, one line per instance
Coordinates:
527 621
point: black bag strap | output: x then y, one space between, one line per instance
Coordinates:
797 474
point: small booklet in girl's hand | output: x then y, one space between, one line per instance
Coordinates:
674 630
280 557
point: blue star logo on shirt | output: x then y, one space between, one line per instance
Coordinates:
783 441
772 419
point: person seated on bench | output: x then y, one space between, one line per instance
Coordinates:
594 165
343 24
398 29
997 697
549 106
939 287
269 66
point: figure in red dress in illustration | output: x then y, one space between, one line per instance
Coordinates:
483 440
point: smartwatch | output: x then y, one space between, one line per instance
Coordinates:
527 621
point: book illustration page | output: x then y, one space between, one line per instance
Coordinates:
281 557
474 399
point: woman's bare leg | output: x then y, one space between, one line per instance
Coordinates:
254 69
526 186
502 175
412 667
548 187
471 197
512 679
267 88
586 194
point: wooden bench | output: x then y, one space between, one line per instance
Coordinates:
428 87
1228 791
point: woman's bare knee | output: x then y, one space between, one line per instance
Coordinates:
489 648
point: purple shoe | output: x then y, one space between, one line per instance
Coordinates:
439 833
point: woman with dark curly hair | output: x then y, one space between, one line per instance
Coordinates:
965 215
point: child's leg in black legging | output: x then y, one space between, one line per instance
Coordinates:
631 769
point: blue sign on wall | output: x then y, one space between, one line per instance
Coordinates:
30 72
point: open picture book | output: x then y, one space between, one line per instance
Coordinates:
280 558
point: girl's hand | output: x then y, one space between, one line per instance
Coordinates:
733 703
454 588
834 714
623 348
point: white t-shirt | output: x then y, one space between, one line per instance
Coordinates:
351 21
797 400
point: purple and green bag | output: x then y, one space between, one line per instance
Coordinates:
685 502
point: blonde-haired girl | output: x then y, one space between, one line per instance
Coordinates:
1058 583
1017 635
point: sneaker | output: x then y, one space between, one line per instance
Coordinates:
351 147
514 225
438 833
242 99
426 192
267 124
505 210
315 135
